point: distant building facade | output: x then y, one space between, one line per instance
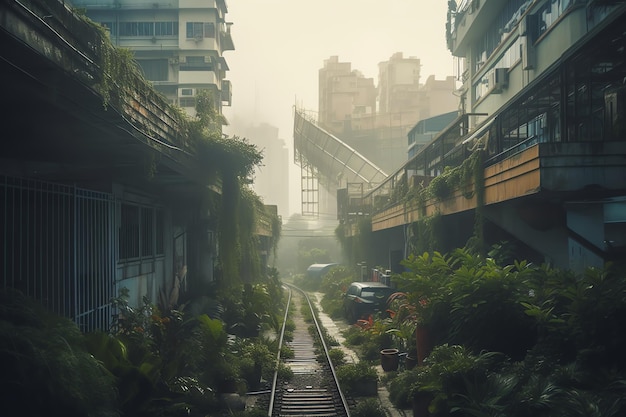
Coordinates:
347 100
425 130
271 180
375 120
179 45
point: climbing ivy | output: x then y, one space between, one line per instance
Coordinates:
426 234
477 242
231 160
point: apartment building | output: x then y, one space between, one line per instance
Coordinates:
178 44
549 76
271 180
375 119
426 129
347 100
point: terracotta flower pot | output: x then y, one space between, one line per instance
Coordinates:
424 343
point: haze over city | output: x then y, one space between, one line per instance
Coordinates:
281 45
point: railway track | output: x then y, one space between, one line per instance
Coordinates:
313 390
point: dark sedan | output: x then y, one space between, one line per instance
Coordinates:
363 299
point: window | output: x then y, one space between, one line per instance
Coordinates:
129 232
166 29
141 232
145 29
154 69
194 29
147 232
550 12
187 102
200 30
129 29
111 27
502 26
186 91
196 63
160 234
209 30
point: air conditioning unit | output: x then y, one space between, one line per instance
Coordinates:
173 61
498 80
182 59
528 54
198 37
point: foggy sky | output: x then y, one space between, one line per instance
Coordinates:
280 45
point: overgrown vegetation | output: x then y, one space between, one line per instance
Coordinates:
154 361
333 286
506 337
359 379
46 366
369 407
157 360
516 339
229 160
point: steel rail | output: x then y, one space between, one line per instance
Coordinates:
305 401
280 344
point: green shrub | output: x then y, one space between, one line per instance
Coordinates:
351 376
399 388
45 366
369 407
337 356
285 373
287 352
355 336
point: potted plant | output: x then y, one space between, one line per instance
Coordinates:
389 359
358 379
403 321
425 284
411 315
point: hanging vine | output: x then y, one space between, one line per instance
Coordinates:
249 205
477 242
426 234
231 160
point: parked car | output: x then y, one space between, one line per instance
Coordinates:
363 299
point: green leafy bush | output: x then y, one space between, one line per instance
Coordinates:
354 378
337 356
45 366
368 407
